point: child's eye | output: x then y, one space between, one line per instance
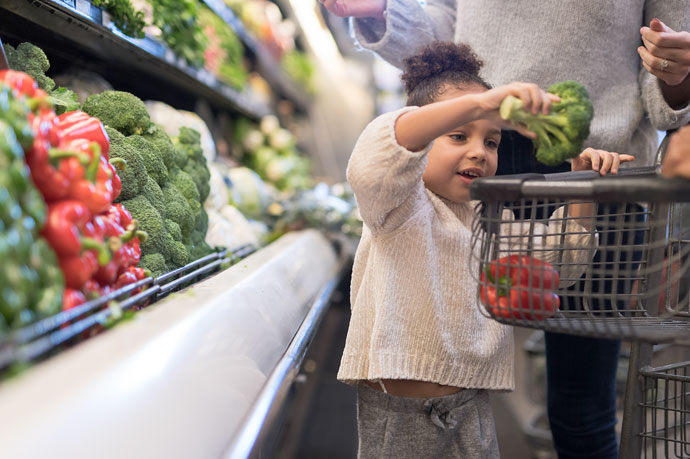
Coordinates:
491 144
457 137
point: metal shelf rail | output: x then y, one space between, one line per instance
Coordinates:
89 27
30 343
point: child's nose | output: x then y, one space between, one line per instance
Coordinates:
477 152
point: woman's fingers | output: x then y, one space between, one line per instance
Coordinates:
600 160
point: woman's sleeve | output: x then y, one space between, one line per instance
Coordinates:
406 28
386 177
564 243
675 14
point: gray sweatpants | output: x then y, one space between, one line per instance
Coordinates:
458 426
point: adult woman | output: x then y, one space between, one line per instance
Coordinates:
636 90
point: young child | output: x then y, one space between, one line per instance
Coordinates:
420 351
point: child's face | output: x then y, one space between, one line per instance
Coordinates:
463 154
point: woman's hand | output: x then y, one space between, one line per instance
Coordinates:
356 8
666 53
534 98
599 160
676 163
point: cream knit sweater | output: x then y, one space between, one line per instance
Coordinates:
414 301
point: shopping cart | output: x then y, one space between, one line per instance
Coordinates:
605 257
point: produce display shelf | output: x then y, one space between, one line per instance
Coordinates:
31 342
189 376
269 67
88 27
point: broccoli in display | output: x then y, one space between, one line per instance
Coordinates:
30 59
154 262
152 158
134 176
178 209
174 229
561 133
120 110
155 196
149 220
189 141
165 146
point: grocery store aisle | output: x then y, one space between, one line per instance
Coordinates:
326 409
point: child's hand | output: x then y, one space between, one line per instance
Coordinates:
599 160
534 98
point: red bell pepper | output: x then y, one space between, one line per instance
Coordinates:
95 188
521 287
70 231
78 125
78 269
23 85
72 298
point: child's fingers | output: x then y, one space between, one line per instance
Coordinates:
591 156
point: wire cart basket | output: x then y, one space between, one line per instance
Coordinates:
617 244
605 257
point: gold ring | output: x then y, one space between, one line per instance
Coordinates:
664 64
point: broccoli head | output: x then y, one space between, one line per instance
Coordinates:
189 142
176 253
173 229
160 139
133 176
30 59
197 245
201 176
154 194
185 185
178 209
120 110
152 158
154 262
561 133
149 220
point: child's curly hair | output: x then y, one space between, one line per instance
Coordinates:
438 65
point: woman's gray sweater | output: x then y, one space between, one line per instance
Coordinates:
591 41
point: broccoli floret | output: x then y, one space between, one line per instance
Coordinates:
201 224
154 262
176 253
184 183
152 158
189 141
30 59
561 133
149 220
120 110
133 176
155 195
197 245
178 209
173 229
160 139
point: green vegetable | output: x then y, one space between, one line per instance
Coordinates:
189 141
185 185
177 20
560 134
149 220
30 59
155 196
176 253
160 139
134 176
155 263
178 209
120 110
126 18
64 100
225 53
173 229
153 160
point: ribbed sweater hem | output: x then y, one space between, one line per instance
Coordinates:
456 373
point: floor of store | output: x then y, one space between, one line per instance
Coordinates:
322 419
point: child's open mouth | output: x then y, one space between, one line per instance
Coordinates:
468 175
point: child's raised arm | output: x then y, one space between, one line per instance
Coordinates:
414 130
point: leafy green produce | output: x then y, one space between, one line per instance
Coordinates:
64 100
561 133
126 18
177 20
224 55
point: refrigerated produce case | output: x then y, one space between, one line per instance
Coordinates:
203 367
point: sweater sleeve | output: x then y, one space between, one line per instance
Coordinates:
407 27
386 177
675 14
564 243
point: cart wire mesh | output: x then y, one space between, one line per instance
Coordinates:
586 255
666 411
